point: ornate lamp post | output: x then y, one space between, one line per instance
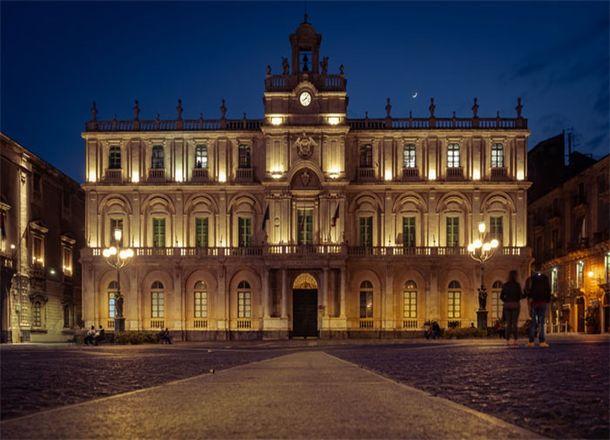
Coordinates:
482 250
118 258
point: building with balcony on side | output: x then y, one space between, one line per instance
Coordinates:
569 233
41 229
305 222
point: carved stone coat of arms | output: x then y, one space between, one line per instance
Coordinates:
305 146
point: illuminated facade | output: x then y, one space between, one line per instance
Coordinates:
305 222
41 231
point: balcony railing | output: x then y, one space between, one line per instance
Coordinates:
114 175
410 174
366 174
200 175
284 83
156 175
455 173
244 174
437 123
498 173
174 125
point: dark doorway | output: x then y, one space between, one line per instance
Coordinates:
580 315
305 312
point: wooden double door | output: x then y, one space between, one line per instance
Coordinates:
305 313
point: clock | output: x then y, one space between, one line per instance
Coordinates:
305 98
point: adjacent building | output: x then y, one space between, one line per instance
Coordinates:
305 222
41 232
569 232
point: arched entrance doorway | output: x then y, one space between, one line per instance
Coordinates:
305 306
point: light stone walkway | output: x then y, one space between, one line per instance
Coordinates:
307 394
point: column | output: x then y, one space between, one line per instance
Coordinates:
266 297
284 295
342 293
324 292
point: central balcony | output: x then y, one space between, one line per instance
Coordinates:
156 175
201 175
244 175
455 173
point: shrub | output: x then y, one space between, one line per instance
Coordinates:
466 332
136 338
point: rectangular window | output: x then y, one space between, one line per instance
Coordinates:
453 156
158 157
201 232
37 251
607 266
497 156
408 231
201 304
496 304
114 158
244 304
201 156
366 231
366 304
67 260
366 156
37 314
496 228
66 316
111 305
157 304
116 223
409 304
453 231
454 304
408 156
244 156
554 281
158 232
305 226
37 185
244 232
580 272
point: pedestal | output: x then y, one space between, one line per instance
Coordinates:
119 325
481 319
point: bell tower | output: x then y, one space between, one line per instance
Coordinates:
305 44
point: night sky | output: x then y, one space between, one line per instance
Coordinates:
58 57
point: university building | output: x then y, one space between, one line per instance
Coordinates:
41 232
570 233
305 222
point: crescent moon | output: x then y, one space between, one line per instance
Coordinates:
414 95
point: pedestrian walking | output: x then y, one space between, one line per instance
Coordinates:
511 296
538 292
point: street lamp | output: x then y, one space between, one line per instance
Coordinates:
118 258
482 250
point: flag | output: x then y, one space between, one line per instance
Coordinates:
265 218
335 216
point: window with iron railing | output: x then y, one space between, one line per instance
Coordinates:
305 226
580 274
409 300
201 157
116 224
157 300
244 226
497 156
453 231
158 157
408 156
366 299
114 158
158 232
454 300
37 314
408 231
113 290
366 156
365 231
244 156
201 300
244 300
201 232
453 156
496 227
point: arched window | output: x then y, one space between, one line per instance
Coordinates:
158 157
366 299
408 156
454 300
157 300
37 314
244 156
114 158
201 156
409 300
496 303
366 156
244 300
113 290
201 299
497 156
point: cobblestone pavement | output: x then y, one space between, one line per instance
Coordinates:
34 378
561 392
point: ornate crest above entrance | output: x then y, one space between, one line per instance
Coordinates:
305 281
305 146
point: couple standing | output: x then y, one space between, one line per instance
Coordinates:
537 290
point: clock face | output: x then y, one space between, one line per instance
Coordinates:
305 99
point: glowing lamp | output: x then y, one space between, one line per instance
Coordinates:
276 120
52 271
222 176
590 274
477 244
520 175
471 247
494 243
12 246
118 234
334 120
106 253
486 247
432 175
276 174
482 227
135 177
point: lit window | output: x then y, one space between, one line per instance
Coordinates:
37 251
244 154
157 300
158 157
366 156
580 270
116 223
496 228
366 231
201 300
158 232
496 303
454 300
305 226
37 314
114 158
409 300
244 225
554 280
67 260
113 290
453 155
607 264
497 156
201 232
366 299
408 156
244 300
201 156
408 231
453 231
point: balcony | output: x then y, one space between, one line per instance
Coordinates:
366 174
410 174
499 173
114 175
200 175
244 175
156 175
455 173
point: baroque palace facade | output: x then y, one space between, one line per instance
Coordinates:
305 222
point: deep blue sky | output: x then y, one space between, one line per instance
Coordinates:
58 57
